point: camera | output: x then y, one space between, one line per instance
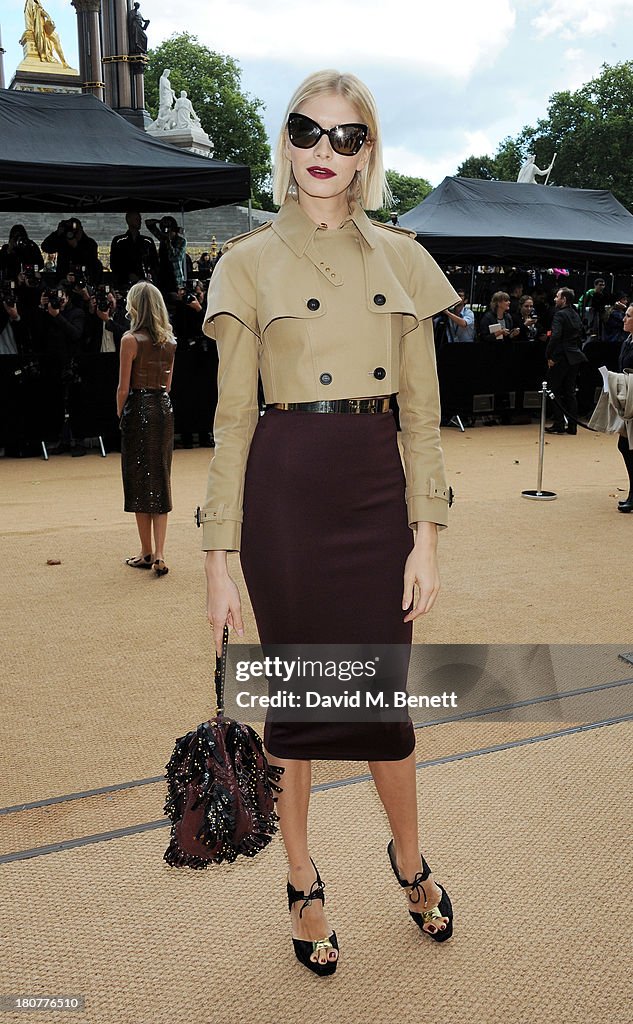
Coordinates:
52 299
79 274
7 292
28 370
103 302
167 224
70 228
31 274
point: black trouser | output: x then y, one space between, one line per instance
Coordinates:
562 381
627 455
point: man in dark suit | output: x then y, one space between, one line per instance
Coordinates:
133 256
564 356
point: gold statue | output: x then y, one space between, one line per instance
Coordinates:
40 40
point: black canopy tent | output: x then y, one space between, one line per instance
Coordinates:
467 221
71 152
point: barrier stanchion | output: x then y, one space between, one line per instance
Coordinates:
539 494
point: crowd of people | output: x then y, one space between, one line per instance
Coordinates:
516 315
58 303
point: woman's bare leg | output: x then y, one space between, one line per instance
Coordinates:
159 524
292 808
144 527
396 785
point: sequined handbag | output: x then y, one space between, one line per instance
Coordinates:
220 795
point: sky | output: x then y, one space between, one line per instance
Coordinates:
451 80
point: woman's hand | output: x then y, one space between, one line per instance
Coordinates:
223 597
421 567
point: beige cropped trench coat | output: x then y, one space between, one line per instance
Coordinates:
283 305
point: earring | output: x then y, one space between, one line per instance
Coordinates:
293 190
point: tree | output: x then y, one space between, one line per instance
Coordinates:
477 167
590 130
230 116
407 192
508 160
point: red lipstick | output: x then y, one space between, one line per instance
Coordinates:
321 172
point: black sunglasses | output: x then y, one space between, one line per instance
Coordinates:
345 139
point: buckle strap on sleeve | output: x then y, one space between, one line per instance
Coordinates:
440 492
217 515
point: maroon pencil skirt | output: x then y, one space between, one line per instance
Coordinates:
324 542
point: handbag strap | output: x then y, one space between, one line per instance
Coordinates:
220 672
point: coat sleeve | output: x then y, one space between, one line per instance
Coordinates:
418 398
554 344
236 417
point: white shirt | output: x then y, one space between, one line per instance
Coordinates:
107 339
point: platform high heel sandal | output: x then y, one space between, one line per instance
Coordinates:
426 917
304 950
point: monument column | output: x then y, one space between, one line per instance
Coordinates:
124 60
89 33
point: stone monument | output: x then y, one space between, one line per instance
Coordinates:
529 171
177 121
44 65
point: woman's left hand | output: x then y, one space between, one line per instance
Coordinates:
421 567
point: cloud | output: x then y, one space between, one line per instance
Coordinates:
584 17
447 39
437 166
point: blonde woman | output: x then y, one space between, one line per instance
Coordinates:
147 421
335 312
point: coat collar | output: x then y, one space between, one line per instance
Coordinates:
297 230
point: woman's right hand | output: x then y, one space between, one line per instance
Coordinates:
223 597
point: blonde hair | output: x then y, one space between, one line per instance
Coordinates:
148 312
369 186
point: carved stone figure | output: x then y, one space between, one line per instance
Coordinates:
529 171
136 25
177 121
43 33
166 97
184 112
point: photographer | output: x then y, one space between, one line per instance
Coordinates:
460 320
20 253
133 256
74 250
12 326
172 263
102 333
57 332
60 327
195 393
204 267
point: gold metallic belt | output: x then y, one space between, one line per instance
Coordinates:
344 405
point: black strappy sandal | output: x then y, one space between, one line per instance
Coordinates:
303 948
443 909
140 562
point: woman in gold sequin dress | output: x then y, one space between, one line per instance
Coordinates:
147 421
